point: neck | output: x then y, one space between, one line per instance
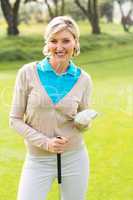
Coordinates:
59 67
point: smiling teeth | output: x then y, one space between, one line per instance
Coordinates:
60 54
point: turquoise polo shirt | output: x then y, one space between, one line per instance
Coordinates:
57 85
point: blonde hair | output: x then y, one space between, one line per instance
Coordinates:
61 23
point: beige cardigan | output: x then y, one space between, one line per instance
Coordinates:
36 118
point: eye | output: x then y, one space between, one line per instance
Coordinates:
65 41
53 41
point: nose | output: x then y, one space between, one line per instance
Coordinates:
59 46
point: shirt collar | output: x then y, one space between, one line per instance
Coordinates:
44 66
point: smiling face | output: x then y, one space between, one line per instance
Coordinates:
61 46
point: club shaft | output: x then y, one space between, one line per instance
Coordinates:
59 167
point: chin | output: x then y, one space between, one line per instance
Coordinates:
62 58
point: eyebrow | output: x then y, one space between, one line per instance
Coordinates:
65 38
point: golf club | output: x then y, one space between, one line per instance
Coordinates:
59 171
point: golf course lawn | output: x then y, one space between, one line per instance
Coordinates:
109 141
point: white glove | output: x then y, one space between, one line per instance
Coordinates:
85 116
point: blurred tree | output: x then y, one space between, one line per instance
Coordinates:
126 20
25 14
55 7
73 10
10 12
91 13
106 10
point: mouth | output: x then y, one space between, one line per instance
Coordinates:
60 54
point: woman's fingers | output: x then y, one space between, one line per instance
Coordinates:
57 145
60 144
62 140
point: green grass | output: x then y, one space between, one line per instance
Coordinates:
29 44
109 141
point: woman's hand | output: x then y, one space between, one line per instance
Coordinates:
83 126
57 145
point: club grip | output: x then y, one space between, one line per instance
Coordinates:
59 165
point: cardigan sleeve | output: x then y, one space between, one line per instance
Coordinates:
87 93
17 112
85 101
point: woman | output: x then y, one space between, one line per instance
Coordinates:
48 94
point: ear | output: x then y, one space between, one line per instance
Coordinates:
76 50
